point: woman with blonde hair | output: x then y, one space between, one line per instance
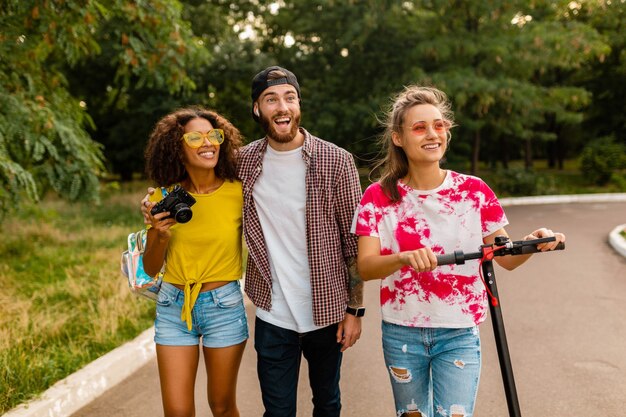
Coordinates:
415 211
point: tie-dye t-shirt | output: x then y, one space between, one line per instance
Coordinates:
456 215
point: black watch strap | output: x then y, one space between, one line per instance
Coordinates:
357 312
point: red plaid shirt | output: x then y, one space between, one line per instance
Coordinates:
333 192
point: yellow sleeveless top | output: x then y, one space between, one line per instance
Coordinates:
208 247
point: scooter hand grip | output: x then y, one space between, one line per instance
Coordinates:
533 248
447 259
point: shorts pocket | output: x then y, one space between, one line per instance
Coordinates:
163 299
230 298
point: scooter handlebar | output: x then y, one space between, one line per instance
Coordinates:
533 248
456 257
521 247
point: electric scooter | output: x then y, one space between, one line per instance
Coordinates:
501 247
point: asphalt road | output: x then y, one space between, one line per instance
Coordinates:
564 314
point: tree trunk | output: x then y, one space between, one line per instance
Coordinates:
528 155
504 152
552 153
126 175
560 149
551 146
475 153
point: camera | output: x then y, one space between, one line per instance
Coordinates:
178 203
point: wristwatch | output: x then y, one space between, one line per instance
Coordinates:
357 312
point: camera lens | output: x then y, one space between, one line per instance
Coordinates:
182 213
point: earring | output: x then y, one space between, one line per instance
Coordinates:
256 112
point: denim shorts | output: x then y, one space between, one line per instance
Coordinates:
432 370
218 317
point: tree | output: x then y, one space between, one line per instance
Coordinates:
605 78
220 67
345 54
497 59
224 81
44 143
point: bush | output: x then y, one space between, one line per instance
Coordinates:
601 158
619 180
521 182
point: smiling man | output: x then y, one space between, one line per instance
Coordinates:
300 194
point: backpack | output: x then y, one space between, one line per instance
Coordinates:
132 267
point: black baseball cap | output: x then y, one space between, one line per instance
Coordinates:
260 83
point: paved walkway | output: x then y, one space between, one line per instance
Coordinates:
564 315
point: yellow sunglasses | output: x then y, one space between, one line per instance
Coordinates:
196 139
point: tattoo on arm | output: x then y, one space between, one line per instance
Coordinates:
355 286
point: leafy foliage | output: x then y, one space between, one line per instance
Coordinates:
44 140
82 83
501 77
522 182
505 64
605 79
601 158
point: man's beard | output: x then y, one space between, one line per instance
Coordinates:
271 132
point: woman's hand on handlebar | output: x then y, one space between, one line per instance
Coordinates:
422 260
544 232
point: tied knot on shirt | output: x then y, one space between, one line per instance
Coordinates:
192 290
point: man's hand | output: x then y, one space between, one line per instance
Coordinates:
349 331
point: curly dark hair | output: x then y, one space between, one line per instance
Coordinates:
164 152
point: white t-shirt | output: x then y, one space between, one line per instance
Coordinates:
280 198
456 215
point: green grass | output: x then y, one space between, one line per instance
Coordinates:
64 302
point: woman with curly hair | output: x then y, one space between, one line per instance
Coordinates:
200 298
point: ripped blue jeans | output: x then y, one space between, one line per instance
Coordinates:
433 371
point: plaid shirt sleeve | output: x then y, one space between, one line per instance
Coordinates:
347 197
258 282
333 194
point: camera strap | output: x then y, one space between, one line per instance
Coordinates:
164 191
